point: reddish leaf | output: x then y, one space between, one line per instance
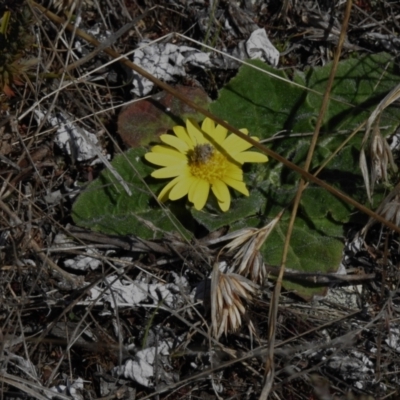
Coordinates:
144 121
8 91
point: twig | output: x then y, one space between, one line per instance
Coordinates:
320 278
37 250
273 311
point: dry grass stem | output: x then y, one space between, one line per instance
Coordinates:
273 312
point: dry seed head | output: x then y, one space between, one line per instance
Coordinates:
245 249
380 152
381 156
391 211
229 294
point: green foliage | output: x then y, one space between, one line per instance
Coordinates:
105 206
312 250
266 105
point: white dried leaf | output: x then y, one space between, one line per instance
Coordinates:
73 390
393 339
22 364
259 46
70 139
83 262
141 369
124 293
165 62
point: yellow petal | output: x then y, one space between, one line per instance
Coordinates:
164 194
240 186
194 132
175 142
164 149
234 172
193 181
251 156
200 196
208 126
233 144
180 189
181 133
215 133
220 191
170 172
193 187
225 206
220 133
165 160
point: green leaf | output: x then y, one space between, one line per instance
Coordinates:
360 84
264 105
242 208
309 252
105 206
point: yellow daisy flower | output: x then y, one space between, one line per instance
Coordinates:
202 158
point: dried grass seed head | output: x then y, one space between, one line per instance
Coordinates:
245 249
229 294
391 211
381 157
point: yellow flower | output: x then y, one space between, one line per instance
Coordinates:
202 158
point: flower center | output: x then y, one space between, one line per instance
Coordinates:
205 162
